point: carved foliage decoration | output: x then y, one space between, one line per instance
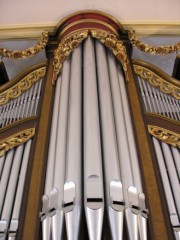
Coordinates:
16 54
22 86
117 46
71 42
165 135
154 50
16 140
64 49
158 82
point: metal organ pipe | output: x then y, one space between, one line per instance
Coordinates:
1 164
60 155
13 228
93 176
157 101
21 107
5 176
50 168
168 158
176 156
73 169
11 188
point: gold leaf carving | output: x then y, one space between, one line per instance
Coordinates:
71 42
154 50
64 49
165 135
15 54
158 82
16 140
111 42
22 86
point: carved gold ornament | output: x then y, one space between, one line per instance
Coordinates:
64 49
165 135
158 82
22 86
69 43
154 50
16 140
116 46
16 54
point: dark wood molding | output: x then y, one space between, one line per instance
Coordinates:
163 122
30 229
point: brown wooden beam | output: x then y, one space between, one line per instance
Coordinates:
30 229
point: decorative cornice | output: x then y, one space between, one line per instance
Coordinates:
168 86
165 135
154 50
16 54
16 140
20 123
22 86
141 28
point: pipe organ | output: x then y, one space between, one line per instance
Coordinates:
89 141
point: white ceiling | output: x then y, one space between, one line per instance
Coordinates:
21 12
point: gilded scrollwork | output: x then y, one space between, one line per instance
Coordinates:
116 46
165 135
69 43
154 50
64 49
157 81
16 140
22 86
17 54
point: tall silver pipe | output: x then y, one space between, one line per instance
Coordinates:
50 167
93 176
142 93
176 156
5 176
72 186
13 227
2 158
56 197
11 188
113 181
172 174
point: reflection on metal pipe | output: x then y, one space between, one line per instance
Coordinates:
72 186
93 178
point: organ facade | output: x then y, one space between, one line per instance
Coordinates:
89 140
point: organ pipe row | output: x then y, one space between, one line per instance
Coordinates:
21 107
92 160
158 102
14 163
168 161
12 173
